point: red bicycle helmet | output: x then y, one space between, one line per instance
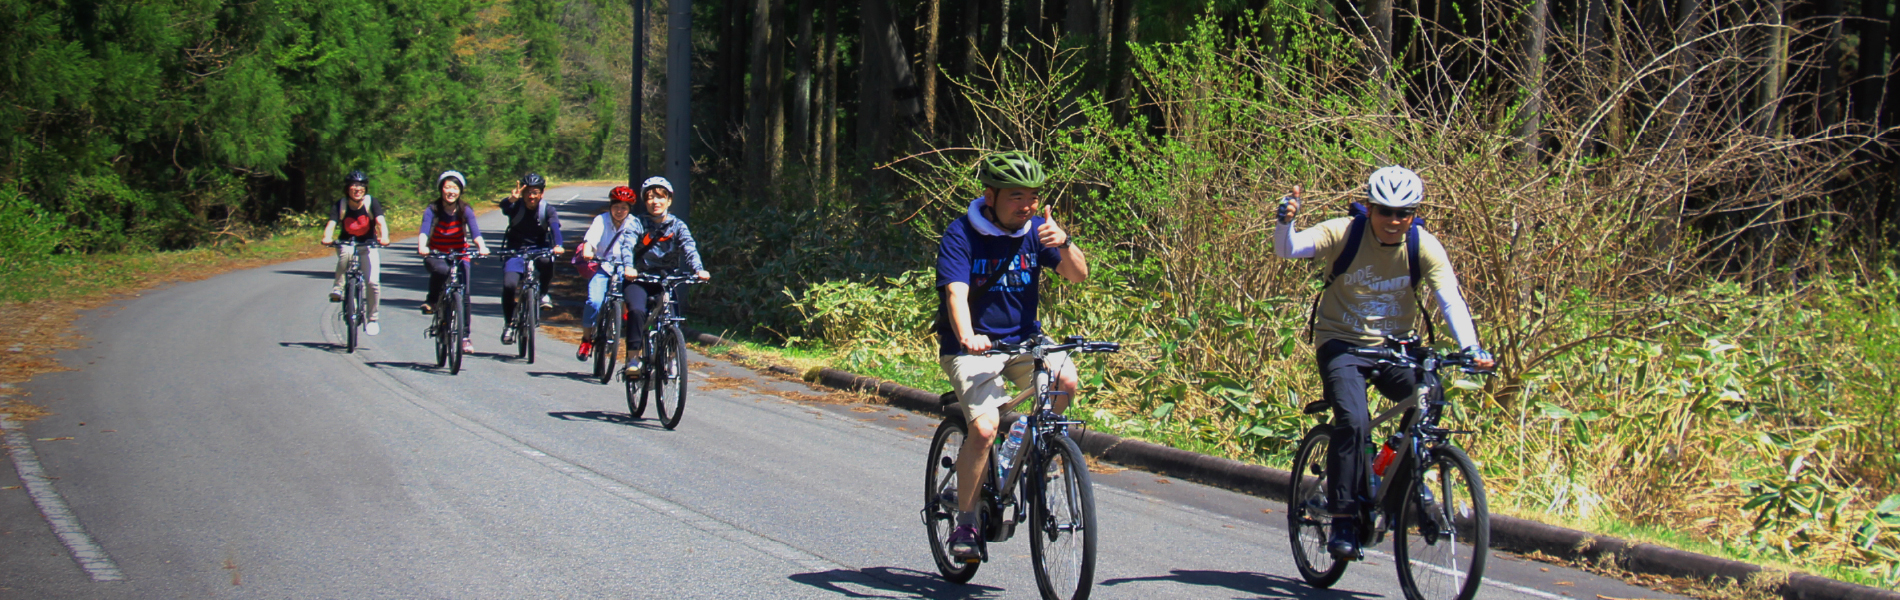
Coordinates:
620 194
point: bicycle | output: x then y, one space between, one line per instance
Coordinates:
354 315
665 355
447 328
1430 488
1059 505
607 330
527 317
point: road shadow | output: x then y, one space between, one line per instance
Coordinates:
608 417
428 367
324 275
1260 585
892 582
581 377
324 346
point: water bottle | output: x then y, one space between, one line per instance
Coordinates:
1384 461
1010 445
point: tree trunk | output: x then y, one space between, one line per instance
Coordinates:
1829 83
1379 27
1768 118
825 138
1122 84
731 78
972 22
762 110
1871 77
1531 70
1596 71
799 143
885 71
932 21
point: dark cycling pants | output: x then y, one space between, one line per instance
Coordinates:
640 295
1346 378
511 281
439 278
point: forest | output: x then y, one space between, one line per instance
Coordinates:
1672 218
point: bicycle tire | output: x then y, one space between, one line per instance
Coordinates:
1444 532
440 329
607 341
532 327
940 480
1309 519
523 329
452 306
352 321
637 389
669 368
1062 521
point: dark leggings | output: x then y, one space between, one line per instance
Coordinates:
639 295
511 281
1346 377
439 278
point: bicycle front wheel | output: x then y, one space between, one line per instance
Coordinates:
352 319
668 374
1062 521
1309 519
607 340
443 342
940 498
452 308
1444 532
530 323
637 390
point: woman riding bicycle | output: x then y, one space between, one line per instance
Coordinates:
363 223
448 225
661 245
605 242
532 225
998 249
1370 293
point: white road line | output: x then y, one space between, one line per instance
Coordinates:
86 552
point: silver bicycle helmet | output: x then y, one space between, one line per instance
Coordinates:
1397 187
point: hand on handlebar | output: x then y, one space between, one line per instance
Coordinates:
976 343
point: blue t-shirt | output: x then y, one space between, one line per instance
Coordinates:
1007 311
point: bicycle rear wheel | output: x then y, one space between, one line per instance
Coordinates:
1062 521
607 340
637 390
940 498
352 305
524 330
1309 519
668 374
452 307
1444 533
440 329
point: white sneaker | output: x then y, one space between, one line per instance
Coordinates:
372 328
547 301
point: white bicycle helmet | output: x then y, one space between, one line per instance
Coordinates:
1397 187
656 182
460 181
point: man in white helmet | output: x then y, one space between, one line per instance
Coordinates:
1372 287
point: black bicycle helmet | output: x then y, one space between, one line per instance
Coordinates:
1012 169
356 178
533 180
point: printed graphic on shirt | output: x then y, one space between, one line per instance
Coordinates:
1015 272
1374 305
356 225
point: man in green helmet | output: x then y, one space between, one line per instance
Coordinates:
989 265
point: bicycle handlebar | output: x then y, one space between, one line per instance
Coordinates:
455 255
669 280
531 253
371 244
1074 342
1388 355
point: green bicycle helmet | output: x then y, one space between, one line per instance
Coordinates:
1012 169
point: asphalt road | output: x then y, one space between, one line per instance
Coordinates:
215 441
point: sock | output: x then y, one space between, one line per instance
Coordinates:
966 519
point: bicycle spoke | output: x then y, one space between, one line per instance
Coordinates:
1444 532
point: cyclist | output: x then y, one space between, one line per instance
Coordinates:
1374 296
989 268
448 225
605 242
363 222
662 244
532 225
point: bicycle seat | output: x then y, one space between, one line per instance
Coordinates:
1317 406
947 399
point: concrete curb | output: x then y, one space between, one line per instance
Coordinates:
1507 533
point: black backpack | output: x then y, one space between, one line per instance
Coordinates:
1355 234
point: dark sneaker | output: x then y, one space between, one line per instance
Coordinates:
336 294
1345 543
963 544
587 349
508 335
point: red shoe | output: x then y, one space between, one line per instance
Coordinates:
587 349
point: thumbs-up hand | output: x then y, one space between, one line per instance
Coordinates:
1290 206
1050 234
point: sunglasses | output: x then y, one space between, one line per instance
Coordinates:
1398 213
